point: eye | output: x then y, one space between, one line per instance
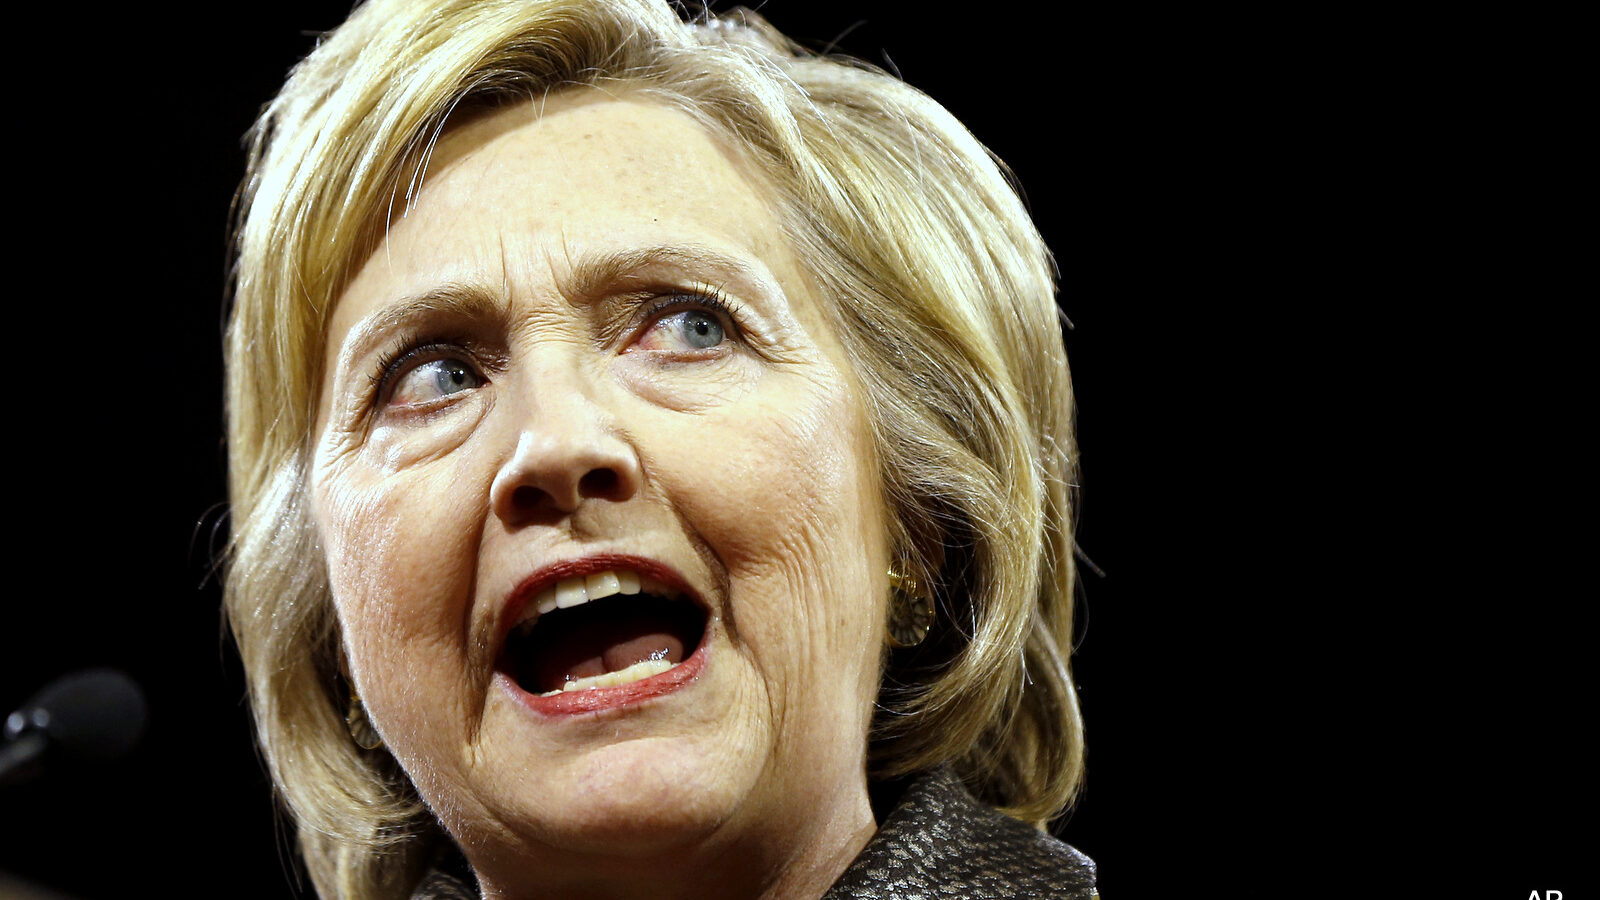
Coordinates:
433 380
696 327
688 323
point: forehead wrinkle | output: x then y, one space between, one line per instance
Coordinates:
505 265
563 284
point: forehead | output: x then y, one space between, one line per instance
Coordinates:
520 196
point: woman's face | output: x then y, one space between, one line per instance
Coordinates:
587 357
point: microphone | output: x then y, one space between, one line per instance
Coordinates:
96 715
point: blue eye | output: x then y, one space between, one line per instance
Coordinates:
686 322
700 329
433 380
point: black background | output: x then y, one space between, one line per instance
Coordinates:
1290 683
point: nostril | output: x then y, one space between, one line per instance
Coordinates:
526 497
598 483
553 473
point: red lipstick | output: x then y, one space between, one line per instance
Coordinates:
568 703
598 698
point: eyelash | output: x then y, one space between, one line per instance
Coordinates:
395 362
710 299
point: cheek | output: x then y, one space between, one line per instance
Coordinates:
791 508
401 552
790 484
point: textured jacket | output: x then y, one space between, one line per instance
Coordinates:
936 843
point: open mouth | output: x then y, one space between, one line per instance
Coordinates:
603 629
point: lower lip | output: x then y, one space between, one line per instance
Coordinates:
572 703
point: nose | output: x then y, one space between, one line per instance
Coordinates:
568 452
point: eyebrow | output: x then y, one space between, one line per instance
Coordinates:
463 302
591 275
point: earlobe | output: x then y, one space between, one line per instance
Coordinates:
914 578
360 727
911 611
356 721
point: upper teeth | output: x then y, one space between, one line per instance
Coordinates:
569 592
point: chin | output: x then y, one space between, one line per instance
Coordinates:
639 796
666 802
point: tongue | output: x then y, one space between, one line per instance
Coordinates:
600 640
657 645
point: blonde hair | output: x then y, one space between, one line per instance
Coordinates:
943 297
